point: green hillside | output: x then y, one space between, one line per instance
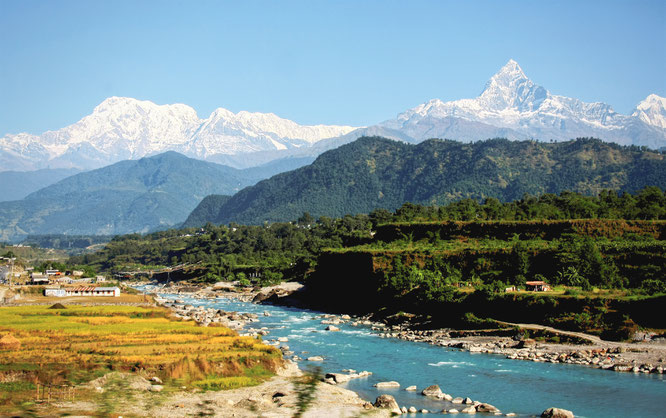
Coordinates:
129 196
375 172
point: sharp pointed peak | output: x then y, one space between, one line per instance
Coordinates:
511 68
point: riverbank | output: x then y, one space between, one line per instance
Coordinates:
277 397
588 350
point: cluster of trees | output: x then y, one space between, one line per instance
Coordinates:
270 253
648 204
266 253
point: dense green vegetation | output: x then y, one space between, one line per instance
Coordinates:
486 250
607 270
375 172
271 252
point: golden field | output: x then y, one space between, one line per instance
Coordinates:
43 346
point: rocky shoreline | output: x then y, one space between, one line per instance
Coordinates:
606 355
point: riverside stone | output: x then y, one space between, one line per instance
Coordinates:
387 402
557 413
486 407
410 388
432 390
391 384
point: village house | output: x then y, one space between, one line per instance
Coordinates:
537 286
39 278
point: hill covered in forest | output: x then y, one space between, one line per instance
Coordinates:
375 172
129 196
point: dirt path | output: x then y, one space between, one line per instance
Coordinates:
592 338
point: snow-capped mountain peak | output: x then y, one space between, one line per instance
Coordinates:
510 88
652 111
513 106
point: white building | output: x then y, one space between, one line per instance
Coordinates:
93 291
55 292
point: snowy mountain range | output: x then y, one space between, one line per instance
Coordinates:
122 128
510 106
514 107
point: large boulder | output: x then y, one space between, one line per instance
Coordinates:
557 413
387 402
432 390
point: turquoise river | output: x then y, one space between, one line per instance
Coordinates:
523 387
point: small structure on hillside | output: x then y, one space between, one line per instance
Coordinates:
37 278
537 286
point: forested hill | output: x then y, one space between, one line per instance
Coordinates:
129 196
375 172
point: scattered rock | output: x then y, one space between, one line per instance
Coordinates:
156 388
457 400
453 411
391 384
486 407
316 358
432 390
468 401
412 410
446 397
332 328
557 413
156 380
469 410
338 377
387 402
410 388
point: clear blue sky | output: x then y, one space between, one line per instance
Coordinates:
334 62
